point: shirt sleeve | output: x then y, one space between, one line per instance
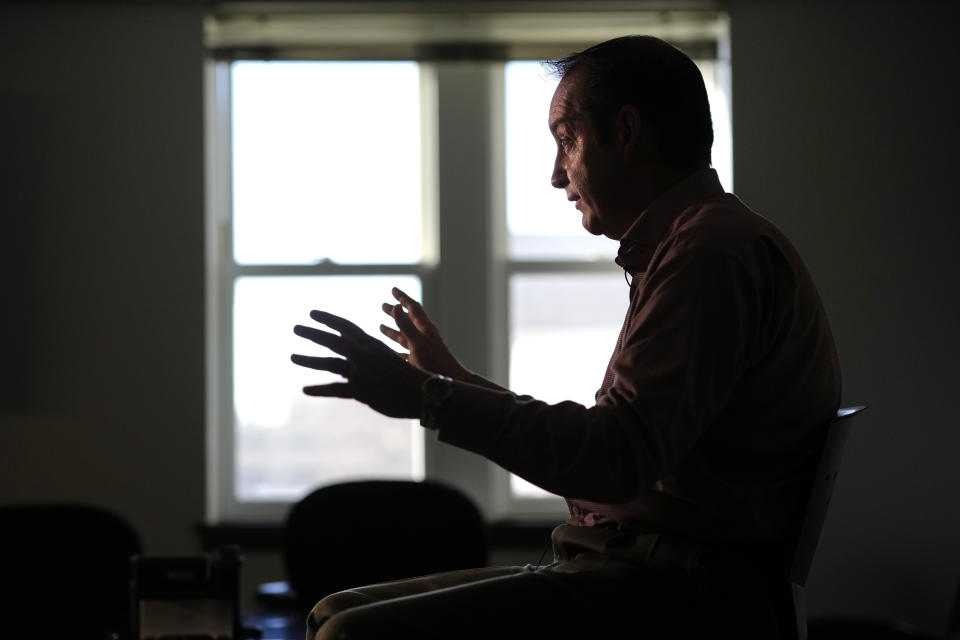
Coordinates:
686 343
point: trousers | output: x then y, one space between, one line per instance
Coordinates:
601 582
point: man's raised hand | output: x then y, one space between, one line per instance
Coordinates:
418 335
375 375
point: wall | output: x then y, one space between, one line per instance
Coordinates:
101 394
846 135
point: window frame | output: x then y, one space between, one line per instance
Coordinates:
462 118
221 276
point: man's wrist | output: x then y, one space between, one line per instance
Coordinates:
435 391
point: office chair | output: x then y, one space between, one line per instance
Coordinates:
794 602
363 532
64 569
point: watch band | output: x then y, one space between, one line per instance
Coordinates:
435 391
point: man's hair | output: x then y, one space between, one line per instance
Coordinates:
659 80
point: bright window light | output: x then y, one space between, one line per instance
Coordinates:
326 162
563 328
287 442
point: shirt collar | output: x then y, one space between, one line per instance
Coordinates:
650 227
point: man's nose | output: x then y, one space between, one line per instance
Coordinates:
559 177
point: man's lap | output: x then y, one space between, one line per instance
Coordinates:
597 585
501 602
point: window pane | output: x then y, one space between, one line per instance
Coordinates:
326 162
286 442
563 329
541 223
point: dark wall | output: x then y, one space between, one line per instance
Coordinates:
846 135
101 376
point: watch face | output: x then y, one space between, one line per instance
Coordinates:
438 387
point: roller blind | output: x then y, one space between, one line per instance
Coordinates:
450 30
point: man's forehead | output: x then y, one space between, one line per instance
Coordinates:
564 105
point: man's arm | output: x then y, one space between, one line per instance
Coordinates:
685 348
684 352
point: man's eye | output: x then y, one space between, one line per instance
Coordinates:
564 142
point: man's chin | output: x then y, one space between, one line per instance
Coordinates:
592 226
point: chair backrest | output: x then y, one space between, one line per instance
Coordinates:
355 533
816 512
68 562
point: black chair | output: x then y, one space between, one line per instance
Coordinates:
66 565
794 603
363 532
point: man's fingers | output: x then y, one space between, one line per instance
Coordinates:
408 328
392 309
335 390
324 338
405 324
338 366
395 335
344 326
400 295
418 316
408 303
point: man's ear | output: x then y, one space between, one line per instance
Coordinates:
632 134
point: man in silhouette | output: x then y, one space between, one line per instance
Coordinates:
691 470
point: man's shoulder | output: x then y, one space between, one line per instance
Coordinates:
722 223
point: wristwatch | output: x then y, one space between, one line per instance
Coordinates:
435 390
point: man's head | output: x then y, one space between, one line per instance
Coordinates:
629 115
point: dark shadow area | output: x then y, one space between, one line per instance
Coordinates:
65 569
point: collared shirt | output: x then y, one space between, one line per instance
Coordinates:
710 418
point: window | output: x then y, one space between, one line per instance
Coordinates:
306 230
371 159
